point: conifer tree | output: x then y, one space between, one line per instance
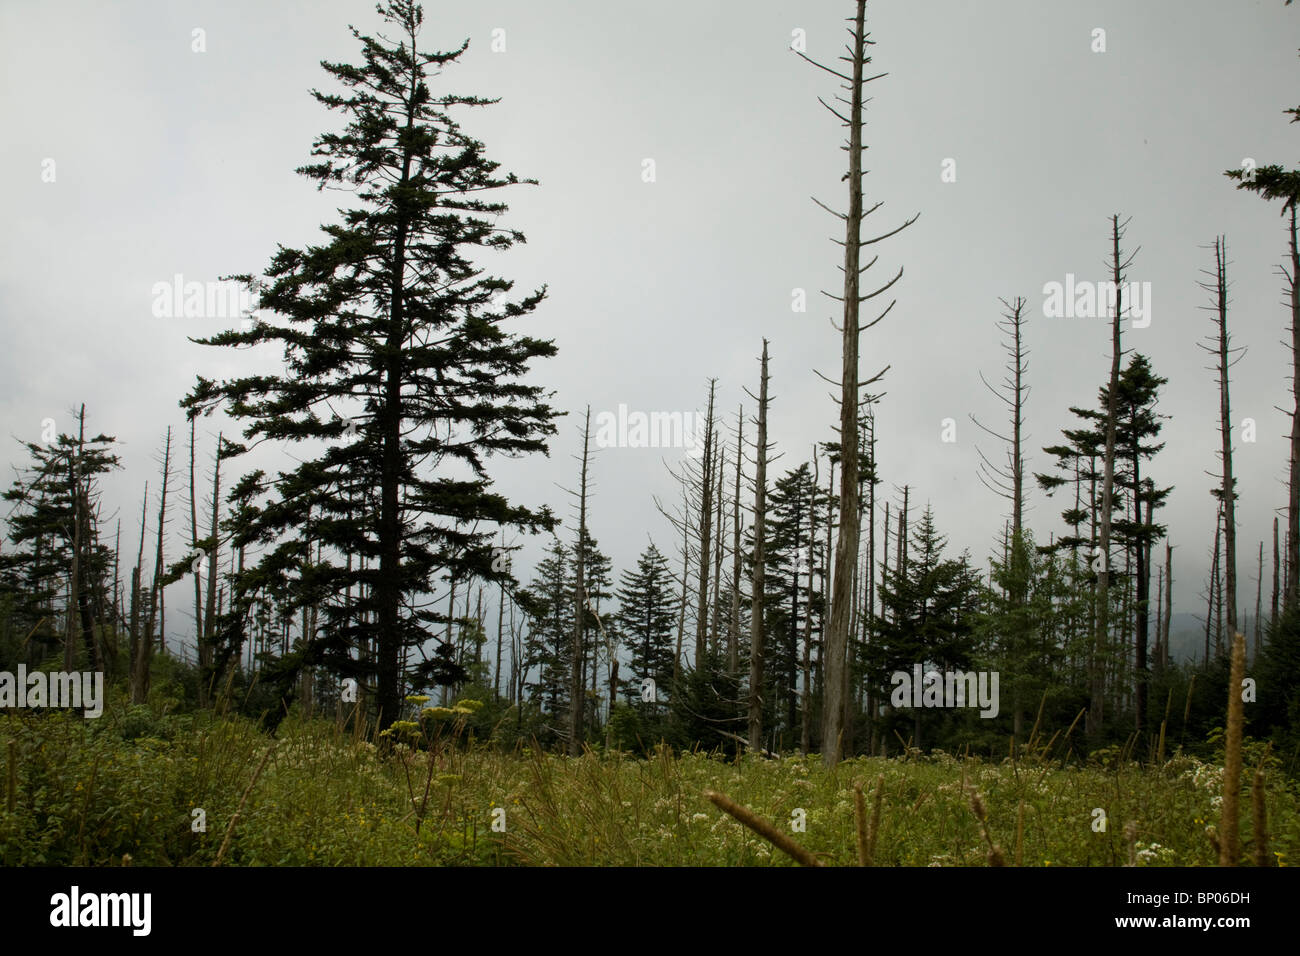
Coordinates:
396 360
548 602
57 555
646 616
932 605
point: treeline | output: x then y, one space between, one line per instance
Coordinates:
375 575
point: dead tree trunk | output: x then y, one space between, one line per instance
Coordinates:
1259 603
576 684
715 637
1272 621
805 709
140 693
1226 492
1213 585
834 656
1101 636
686 560
198 577
1169 603
706 536
757 575
733 633
209 631
1293 484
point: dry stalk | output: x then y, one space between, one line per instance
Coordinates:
763 829
977 807
230 828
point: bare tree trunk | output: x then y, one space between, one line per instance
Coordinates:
1169 602
1213 583
884 558
834 654
1259 603
209 633
706 536
805 715
1160 617
134 636
1272 621
818 689
757 575
716 615
1218 602
501 620
577 687
733 634
1142 605
70 624
198 578
1101 636
1293 483
686 560
145 658
835 643
1227 491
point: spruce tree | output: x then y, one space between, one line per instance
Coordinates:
932 612
398 378
646 615
548 602
55 551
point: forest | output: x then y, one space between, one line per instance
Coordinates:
322 631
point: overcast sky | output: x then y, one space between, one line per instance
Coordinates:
170 161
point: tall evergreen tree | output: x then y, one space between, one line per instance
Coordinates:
57 560
932 611
647 612
548 602
794 598
1135 497
395 359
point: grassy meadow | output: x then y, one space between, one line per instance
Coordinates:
140 788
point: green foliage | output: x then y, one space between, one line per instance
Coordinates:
391 320
90 792
646 620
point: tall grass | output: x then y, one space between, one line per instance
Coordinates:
127 785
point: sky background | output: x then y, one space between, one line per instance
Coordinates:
173 161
